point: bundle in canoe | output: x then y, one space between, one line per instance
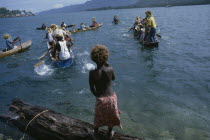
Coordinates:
20 48
45 124
61 63
90 28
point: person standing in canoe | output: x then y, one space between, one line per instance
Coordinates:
43 26
100 81
94 23
10 43
151 26
61 51
49 37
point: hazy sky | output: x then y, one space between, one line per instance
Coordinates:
38 5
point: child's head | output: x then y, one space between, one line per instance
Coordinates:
59 37
99 54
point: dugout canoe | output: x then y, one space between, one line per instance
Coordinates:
91 28
41 28
149 44
22 47
62 63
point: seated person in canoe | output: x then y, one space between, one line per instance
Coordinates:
100 81
62 50
94 23
116 19
82 26
10 43
44 26
63 25
49 37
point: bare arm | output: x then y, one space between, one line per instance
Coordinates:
113 75
91 83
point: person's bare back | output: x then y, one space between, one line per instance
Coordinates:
100 81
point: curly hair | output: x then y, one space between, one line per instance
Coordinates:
99 54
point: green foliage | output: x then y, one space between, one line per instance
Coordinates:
4 12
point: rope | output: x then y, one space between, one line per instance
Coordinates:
31 121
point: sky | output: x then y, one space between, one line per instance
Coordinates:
37 5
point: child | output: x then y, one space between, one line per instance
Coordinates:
100 81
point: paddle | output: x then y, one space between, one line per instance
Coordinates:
40 63
158 35
44 54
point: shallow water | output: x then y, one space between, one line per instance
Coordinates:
164 93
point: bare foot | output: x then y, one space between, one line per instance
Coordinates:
110 135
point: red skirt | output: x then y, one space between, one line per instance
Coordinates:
107 112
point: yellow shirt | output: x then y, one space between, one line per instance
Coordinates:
151 22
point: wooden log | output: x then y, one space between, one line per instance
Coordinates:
45 124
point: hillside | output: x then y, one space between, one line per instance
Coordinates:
107 4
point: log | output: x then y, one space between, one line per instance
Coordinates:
45 124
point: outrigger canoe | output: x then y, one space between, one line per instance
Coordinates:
22 47
91 28
62 63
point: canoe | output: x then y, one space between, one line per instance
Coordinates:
62 63
149 44
41 28
24 46
91 28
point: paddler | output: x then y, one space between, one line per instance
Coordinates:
10 43
82 26
62 51
100 81
116 19
63 25
151 26
94 23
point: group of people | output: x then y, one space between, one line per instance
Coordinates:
100 79
145 30
59 41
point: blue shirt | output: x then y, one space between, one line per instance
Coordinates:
9 44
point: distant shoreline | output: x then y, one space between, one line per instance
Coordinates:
14 16
132 7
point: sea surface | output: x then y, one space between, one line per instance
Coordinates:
163 93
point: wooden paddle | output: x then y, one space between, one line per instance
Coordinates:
44 54
158 35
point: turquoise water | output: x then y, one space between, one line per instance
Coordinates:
164 93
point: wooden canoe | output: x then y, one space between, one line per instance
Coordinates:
62 63
41 28
20 48
149 44
91 28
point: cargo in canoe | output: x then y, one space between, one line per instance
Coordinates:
91 28
20 48
62 63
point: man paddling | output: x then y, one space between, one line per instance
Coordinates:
10 43
116 20
100 81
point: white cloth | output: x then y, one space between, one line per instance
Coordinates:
64 53
59 31
50 37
